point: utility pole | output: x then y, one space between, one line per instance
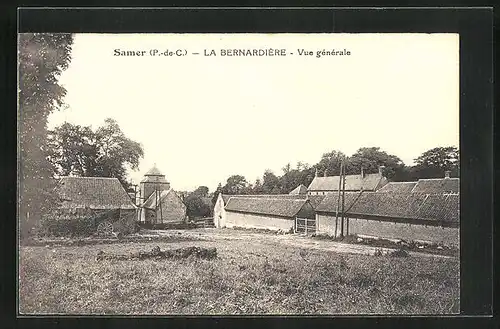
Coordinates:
338 199
343 202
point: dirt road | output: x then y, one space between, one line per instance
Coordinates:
294 240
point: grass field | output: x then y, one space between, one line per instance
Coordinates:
249 276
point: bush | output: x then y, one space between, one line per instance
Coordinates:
67 227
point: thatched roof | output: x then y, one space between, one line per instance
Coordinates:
397 205
93 193
437 185
282 207
369 182
398 187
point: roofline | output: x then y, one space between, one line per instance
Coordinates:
87 177
260 213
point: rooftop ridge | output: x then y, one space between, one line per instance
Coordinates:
87 177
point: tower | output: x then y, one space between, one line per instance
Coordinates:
153 181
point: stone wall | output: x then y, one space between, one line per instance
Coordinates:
236 219
390 230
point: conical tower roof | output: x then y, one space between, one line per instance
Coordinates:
154 175
154 171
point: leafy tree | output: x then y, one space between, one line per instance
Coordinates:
202 191
270 183
330 162
434 162
236 184
216 194
196 207
42 58
370 158
286 169
82 152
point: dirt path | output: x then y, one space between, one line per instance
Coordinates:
299 241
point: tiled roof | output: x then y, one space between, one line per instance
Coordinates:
314 199
301 189
154 171
397 205
398 187
370 182
437 185
151 203
93 193
283 207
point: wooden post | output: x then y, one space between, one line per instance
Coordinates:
161 209
343 202
305 221
338 199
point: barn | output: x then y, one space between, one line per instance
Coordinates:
432 218
362 182
220 213
101 200
267 213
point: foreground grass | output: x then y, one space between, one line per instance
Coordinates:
246 278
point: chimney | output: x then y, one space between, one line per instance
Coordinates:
316 172
447 174
381 170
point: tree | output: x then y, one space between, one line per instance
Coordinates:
196 207
216 194
370 158
42 58
236 184
434 162
201 191
330 162
270 183
107 152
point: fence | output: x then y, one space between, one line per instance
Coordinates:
305 225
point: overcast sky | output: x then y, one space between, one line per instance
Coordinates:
202 119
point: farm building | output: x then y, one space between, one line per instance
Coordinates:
220 214
267 213
444 185
361 182
407 216
161 203
102 200
301 189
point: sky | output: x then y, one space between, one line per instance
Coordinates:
201 119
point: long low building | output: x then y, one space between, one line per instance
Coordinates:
409 216
220 210
267 213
